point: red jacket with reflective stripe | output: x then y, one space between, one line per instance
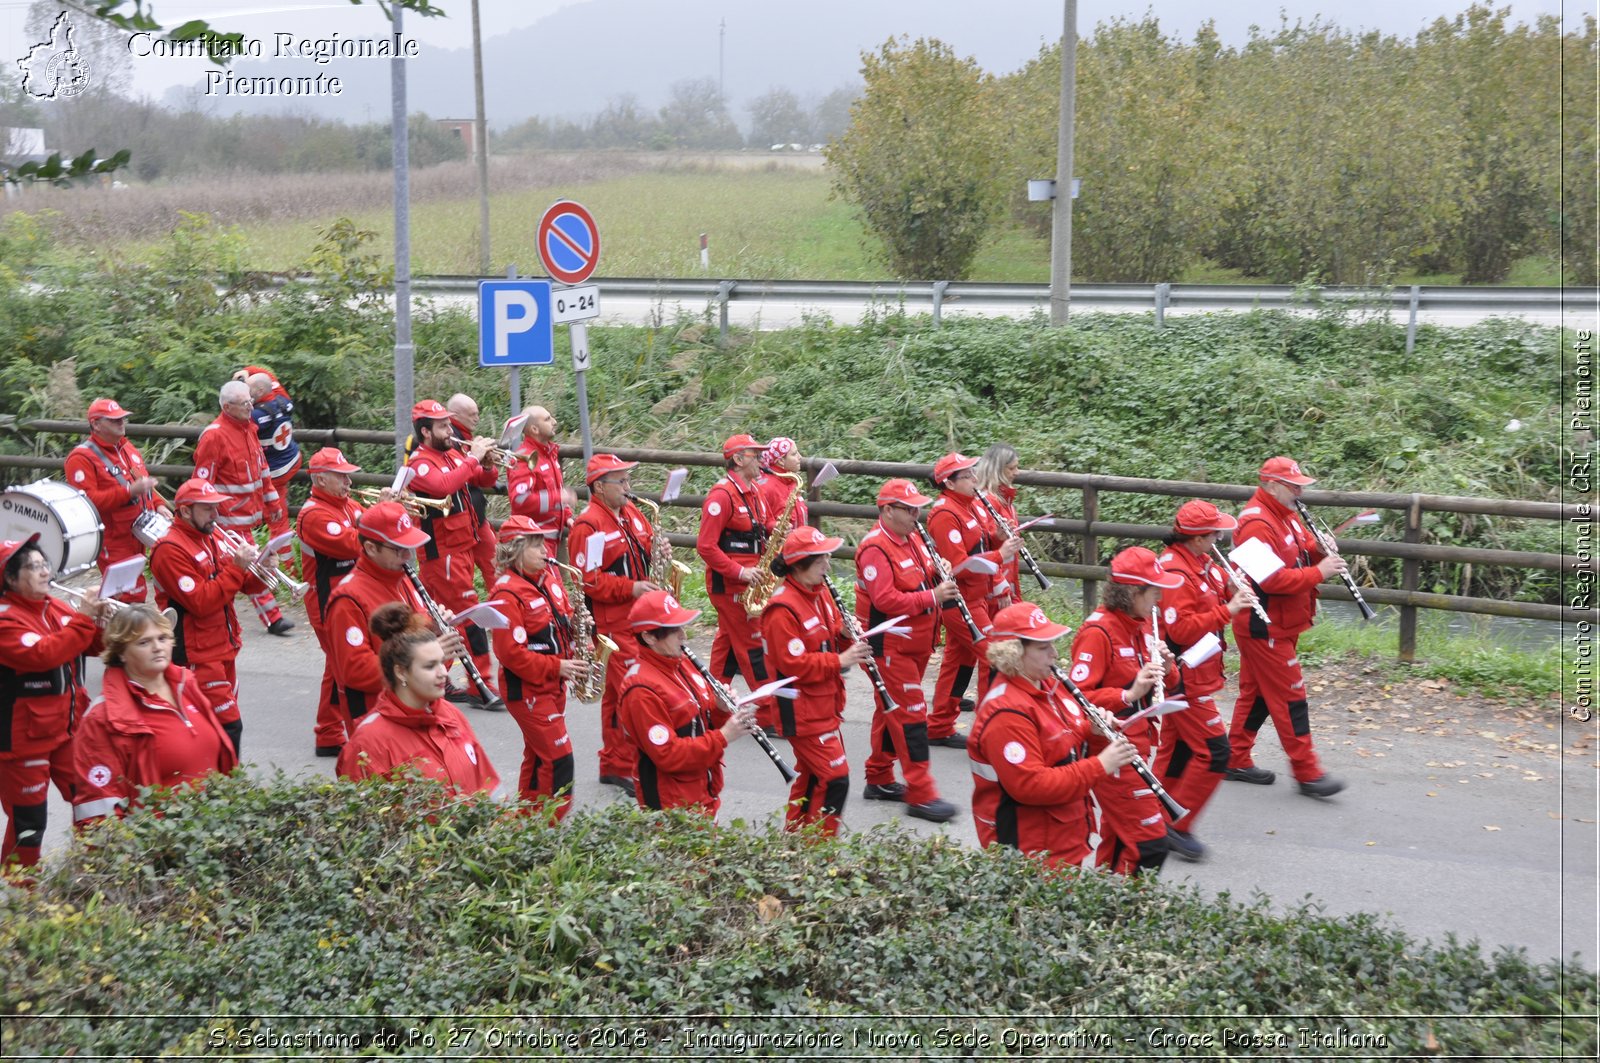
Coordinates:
196 576
329 546
609 584
733 529
118 509
960 528
42 646
447 474
1290 594
804 633
534 484
437 740
350 607
1190 611
229 454
667 708
895 577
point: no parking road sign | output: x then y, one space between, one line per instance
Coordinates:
515 326
568 242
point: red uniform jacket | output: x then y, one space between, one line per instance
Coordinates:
804 633
114 753
197 578
1030 773
733 532
329 546
350 607
775 491
895 577
534 484
42 646
229 454
626 558
960 528
106 474
437 741
668 709
1004 501
540 635
1189 612
1107 653
446 474
1290 594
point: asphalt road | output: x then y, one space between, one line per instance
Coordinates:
1442 835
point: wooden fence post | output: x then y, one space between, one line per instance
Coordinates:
1090 553
1410 570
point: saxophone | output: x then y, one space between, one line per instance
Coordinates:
759 591
665 571
593 650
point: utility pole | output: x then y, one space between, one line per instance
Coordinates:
1061 219
722 33
480 146
404 351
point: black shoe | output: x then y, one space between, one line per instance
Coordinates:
281 626
621 782
950 741
1185 845
889 791
1259 776
936 811
329 751
1321 786
968 705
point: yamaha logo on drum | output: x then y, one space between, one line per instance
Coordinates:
35 515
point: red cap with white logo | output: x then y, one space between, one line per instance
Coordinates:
1024 620
601 464
806 541
389 522
951 464
198 491
657 609
903 492
743 441
107 408
1138 564
9 548
517 526
429 410
1198 517
331 459
1286 470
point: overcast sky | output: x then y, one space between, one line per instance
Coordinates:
1033 20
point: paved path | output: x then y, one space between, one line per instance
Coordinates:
1443 833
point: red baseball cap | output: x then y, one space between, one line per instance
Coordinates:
389 522
199 491
742 441
1024 620
1198 517
601 464
9 548
331 459
518 526
655 609
951 464
1286 470
107 408
429 410
806 541
1137 564
903 492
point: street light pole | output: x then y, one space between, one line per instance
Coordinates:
404 351
480 146
1061 218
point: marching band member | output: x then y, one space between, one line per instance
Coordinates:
1270 681
734 524
1197 607
412 725
996 472
613 582
108 469
42 646
534 483
536 658
272 413
782 456
1113 666
198 574
329 547
896 577
464 416
229 457
805 636
1032 771
670 711
150 726
960 529
442 471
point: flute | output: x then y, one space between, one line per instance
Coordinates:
491 700
1105 726
852 627
943 568
1153 647
1331 548
1022 548
730 703
1238 581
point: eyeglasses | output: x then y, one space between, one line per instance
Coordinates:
35 566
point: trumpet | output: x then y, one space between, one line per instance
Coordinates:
82 598
269 574
496 454
415 504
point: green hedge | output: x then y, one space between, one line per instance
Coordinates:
378 900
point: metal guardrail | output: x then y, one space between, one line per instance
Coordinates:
1088 528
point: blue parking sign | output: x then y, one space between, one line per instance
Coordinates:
515 326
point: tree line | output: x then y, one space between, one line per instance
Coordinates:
1310 151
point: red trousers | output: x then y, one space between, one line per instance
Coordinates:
332 717
822 782
448 579
1270 685
738 649
1133 827
902 734
961 659
546 751
483 553
1193 756
219 682
25 795
619 753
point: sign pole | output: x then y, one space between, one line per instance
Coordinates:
516 370
580 369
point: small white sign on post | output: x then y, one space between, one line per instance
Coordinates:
575 304
580 346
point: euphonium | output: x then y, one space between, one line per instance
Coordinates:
759 591
592 649
665 572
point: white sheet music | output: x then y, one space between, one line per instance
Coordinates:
675 481
1206 648
1256 558
484 614
122 577
594 549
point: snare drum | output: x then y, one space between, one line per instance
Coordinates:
149 527
65 519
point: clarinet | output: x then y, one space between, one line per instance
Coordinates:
852 627
943 568
725 696
1105 726
1331 547
1022 548
1238 581
491 700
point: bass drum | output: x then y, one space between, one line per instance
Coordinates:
65 520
